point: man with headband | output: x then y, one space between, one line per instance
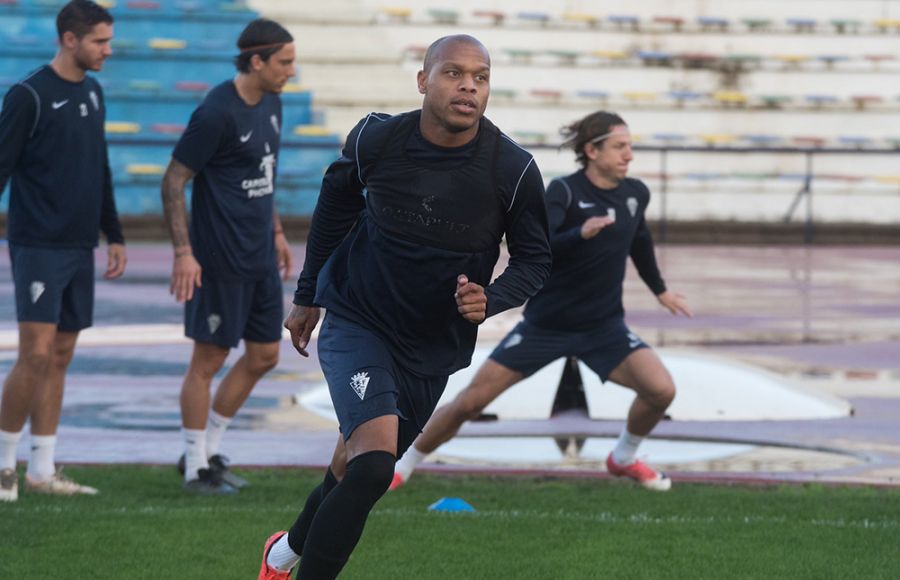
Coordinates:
597 221
226 264
401 253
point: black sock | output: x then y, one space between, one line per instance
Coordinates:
298 532
341 517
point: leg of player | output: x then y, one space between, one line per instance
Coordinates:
491 380
42 475
35 347
206 361
643 372
284 549
231 394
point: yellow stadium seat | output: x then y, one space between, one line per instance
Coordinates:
399 13
167 44
730 97
637 96
122 127
713 139
144 169
311 131
581 17
294 88
891 179
611 54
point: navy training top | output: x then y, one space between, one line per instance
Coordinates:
53 145
233 149
399 218
585 287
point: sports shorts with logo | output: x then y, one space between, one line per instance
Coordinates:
54 285
365 382
528 348
222 312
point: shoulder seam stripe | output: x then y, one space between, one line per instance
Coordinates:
518 183
37 101
356 147
568 190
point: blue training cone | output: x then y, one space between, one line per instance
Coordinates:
450 504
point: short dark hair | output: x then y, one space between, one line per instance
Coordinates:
80 17
584 131
263 37
431 55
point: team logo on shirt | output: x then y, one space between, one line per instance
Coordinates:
82 108
214 321
358 383
37 289
94 100
426 203
274 120
585 205
264 185
632 204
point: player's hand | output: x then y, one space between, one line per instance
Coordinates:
471 301
186 275
115 261
592 226
301 321
284 255
674 303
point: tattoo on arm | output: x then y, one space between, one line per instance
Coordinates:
174 207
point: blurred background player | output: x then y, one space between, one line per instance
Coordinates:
596 220
405 274
54 147
226 267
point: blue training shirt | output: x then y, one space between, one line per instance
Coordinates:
585 287
53 146
233 149
398 219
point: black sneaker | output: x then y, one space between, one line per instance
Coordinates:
219 462
209 482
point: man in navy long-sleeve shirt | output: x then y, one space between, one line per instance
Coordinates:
54 148
597 221
401 252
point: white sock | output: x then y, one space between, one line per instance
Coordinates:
408 463
41 466
8 444
626 448
194 452
215 429
281 557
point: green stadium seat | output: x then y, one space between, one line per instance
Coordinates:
757 24
843 25
442 16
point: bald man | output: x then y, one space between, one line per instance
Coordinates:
405 275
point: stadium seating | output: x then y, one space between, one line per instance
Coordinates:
166 57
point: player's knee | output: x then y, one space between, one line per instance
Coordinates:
261 363
370 474
35 361
204 371
661 397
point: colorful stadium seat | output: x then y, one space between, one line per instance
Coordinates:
674 22
192 86
708 23
541 18
757 24
802 24
496 17
167 43
580 17
843 25
442 16
730 98
625 21
144 169
122 127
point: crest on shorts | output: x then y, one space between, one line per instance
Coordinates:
359 382
214 321
632 204
37 288
94 100
634 340
513 340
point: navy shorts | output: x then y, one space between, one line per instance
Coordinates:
223 312
528 348
365 382
54 285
